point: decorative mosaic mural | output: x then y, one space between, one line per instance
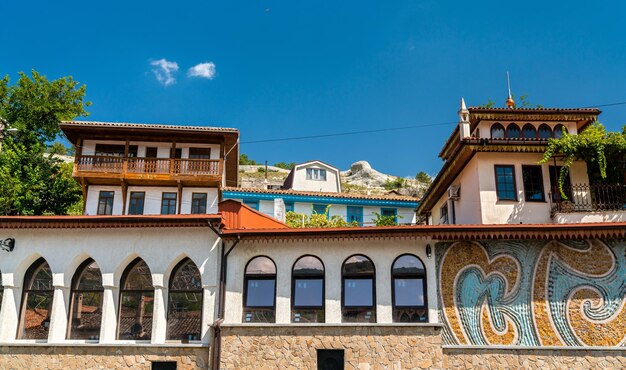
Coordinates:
533 292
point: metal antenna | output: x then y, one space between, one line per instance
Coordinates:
509 100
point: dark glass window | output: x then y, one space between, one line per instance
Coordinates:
533 184
289 207
307 290
408 277
260 291
529 131
544 131
105 203
36 301
86 309
505 182
114 150
389 212
136 302
555 172
320 209
358 298
497 131
443 214
199 153
163 365
558 130
168 204
513 131
198 203
135 206
184 308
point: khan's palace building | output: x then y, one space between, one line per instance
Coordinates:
163 272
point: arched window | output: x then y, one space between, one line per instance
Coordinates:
497 131
307 290
359 292
529 131
408 279
36 301
544 131
513 131
136 302
558 130
259 302
184 307
86 303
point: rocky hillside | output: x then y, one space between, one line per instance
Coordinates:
360 178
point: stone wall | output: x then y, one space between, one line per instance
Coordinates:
365 347
487 358
100 357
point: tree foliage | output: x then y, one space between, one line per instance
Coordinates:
285 165
244 160
34 183
316 220
396 183
424 178
380 220
597 148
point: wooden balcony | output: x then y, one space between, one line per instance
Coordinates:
109 170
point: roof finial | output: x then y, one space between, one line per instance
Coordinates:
510 103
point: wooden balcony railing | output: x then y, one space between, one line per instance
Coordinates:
589 198
142 166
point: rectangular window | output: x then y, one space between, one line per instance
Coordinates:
199 153
254 204
105 203
135 206
355 214
168 204
443 214
320 209
289 207
505 182
408 292
198 203
113 150
390 212
260 293
533 184
330 359
358 293
163 365
308 292
316 174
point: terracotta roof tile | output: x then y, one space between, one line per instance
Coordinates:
146 126
83 222
401 198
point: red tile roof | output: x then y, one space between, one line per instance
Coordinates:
401 198
146 126
82 222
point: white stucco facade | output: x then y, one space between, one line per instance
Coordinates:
64 249
300 181
332 253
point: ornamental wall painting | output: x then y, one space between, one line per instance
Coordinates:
533 292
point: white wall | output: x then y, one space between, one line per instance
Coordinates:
333 254
113 250
331 185
152 201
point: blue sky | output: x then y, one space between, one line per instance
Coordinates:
279 69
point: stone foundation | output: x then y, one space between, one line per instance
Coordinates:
533 358
100 357
365 346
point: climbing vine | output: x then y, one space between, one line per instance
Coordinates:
596 147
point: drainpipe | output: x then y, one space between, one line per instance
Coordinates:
217 332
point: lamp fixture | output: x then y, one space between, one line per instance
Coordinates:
429 251
7 244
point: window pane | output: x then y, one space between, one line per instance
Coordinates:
558 131
86 315
358 265
358 293
36 320
198 203
308 292
513 131
186 277
90 278
260 293
139 277
168 204
105 203
409 292
184 316
261 265
505 183
136 203
497 131
408 264
42 280
545 132
533 183
308 265
136 315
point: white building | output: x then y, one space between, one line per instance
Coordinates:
314 176
492 175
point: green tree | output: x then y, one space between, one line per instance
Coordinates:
244 160
597 148
34 183
285 165
424 178
396 183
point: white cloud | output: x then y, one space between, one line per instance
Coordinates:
164 71
202 70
